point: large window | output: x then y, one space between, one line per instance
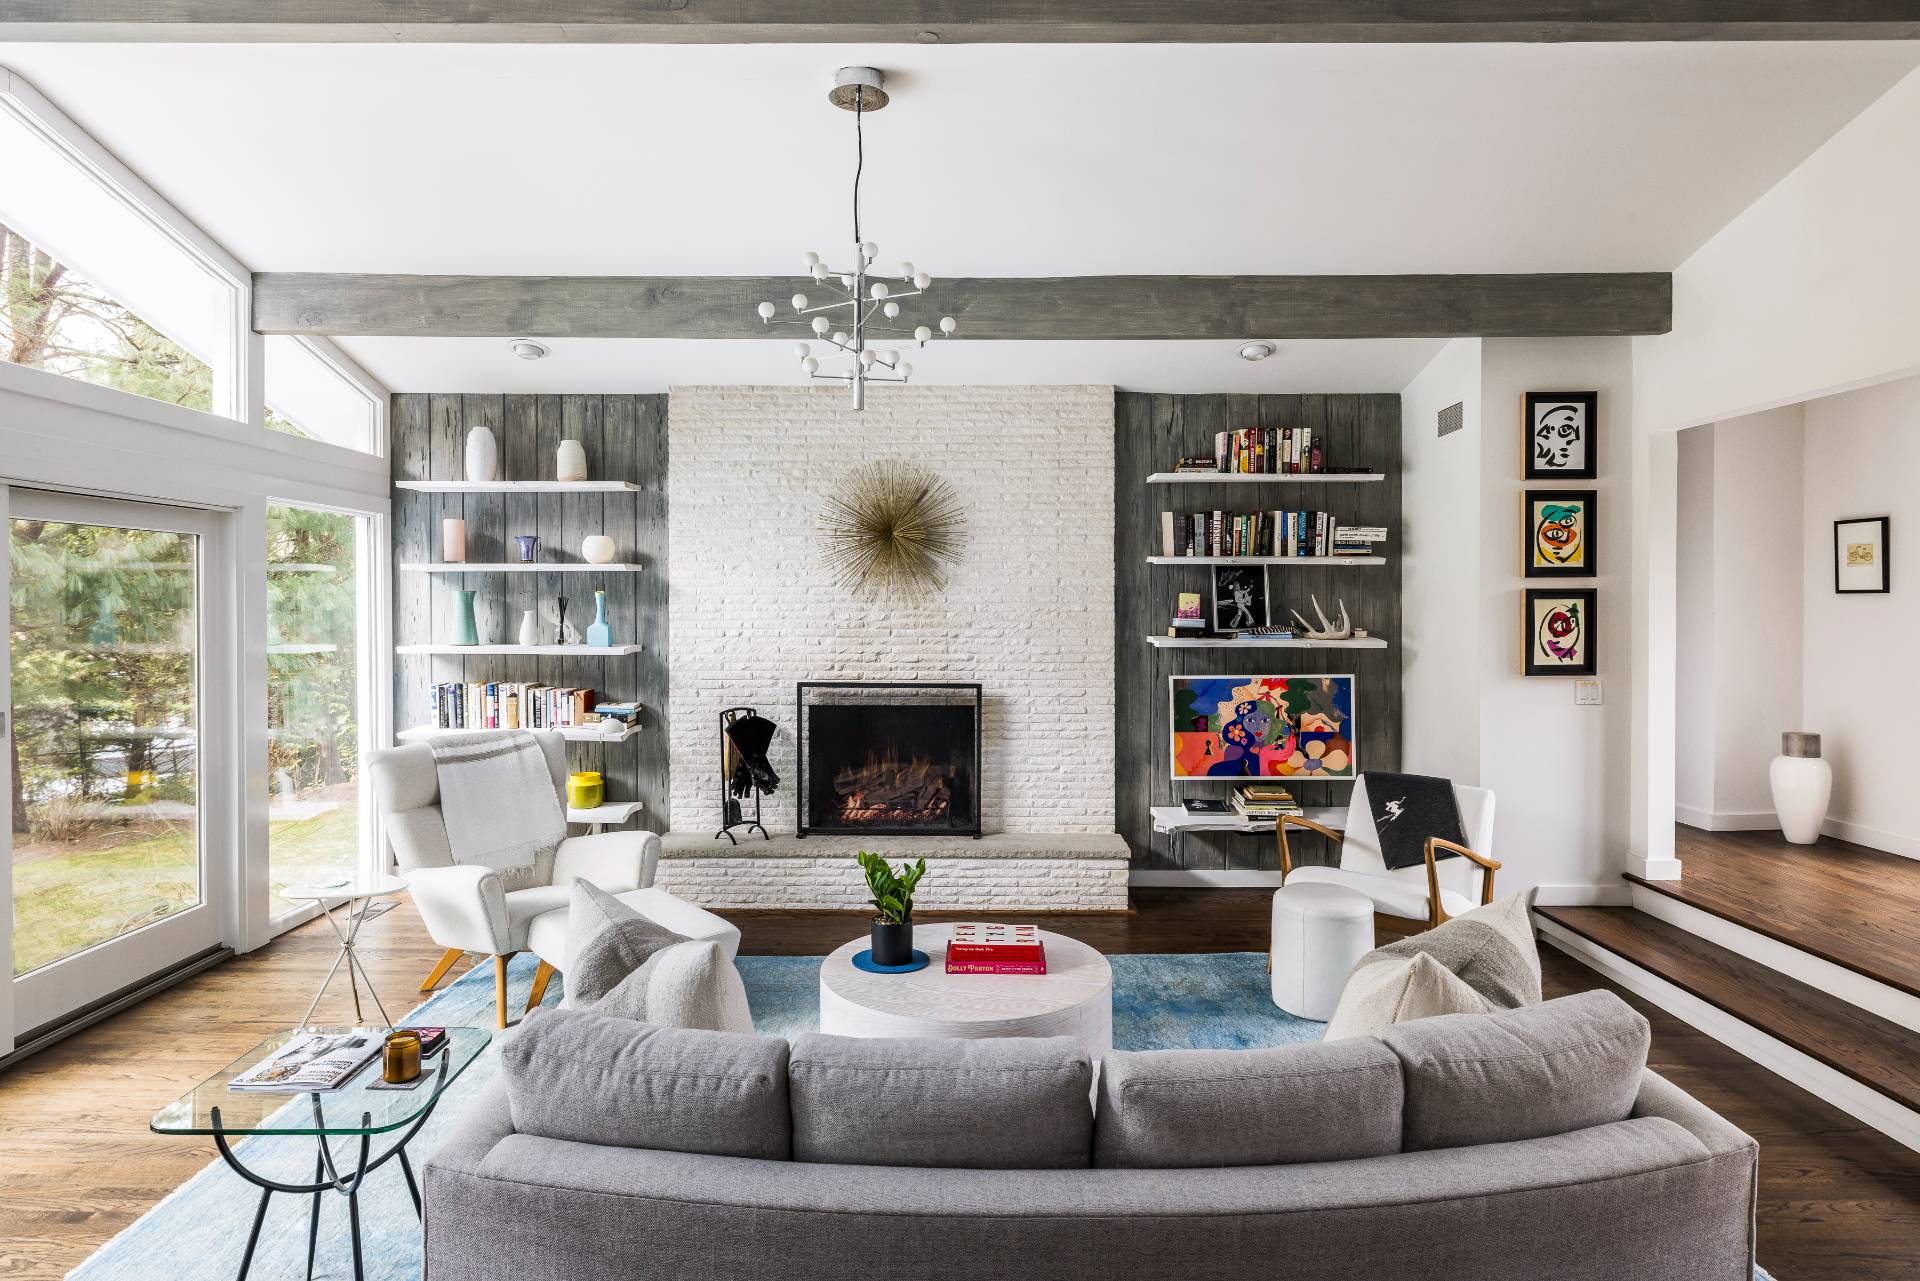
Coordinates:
315 690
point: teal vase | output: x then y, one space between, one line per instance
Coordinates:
598 633
464 630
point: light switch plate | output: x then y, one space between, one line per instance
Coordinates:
1586 692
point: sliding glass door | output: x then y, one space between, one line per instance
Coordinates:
112 735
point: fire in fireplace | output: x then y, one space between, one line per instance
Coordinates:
899 758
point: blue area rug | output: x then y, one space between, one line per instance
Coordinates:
1215 1001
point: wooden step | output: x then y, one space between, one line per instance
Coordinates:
1882 1056
1855 907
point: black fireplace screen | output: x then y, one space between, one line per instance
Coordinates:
888 759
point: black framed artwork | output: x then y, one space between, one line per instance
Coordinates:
1562 431
1559 629
1239 597
1860 548
1560 525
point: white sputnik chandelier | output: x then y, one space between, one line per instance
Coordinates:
860 300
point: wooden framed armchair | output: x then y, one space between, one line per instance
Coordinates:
1440 889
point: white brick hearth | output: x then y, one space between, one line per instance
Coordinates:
1028 613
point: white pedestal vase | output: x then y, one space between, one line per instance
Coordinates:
1802 786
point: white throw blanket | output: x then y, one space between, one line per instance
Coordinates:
498 801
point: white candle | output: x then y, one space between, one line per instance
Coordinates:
453 539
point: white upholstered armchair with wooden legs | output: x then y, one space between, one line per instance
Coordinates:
1433 891
470 908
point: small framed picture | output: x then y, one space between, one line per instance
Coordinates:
1559 625
1561 428
1860 555
1239 597
1560 525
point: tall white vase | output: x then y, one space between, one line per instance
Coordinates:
570 461
483 455
529 627
1802 786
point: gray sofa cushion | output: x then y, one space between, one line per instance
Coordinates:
592 1079
1164 1109
985 1105
1490 948
1520 1074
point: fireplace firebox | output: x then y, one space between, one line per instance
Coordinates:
888 758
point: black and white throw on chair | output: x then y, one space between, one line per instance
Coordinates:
1417 846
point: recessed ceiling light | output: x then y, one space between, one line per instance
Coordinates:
1256 350
527 349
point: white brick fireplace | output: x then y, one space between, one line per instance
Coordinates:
1028 614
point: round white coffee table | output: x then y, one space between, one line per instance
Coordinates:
1073 998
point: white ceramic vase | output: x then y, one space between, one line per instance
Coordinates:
529 627
570 463
596 549
1802 786
453 540
483 455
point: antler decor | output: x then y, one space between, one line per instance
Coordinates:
1326 631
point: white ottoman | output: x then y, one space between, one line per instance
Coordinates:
1319 932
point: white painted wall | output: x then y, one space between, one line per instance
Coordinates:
1693 670
1560 772
1028 613
1862 458
1441 520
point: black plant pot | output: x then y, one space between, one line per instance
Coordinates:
892 942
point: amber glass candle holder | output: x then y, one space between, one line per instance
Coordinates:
400 1057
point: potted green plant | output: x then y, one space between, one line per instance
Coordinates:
893 907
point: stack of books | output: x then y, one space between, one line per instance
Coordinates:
1264 802
1196 463
511 705
1268 451
1358 540
625 713
1273 533
996 949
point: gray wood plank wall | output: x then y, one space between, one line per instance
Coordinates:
626 439
1152 432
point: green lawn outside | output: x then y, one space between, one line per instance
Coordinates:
67 898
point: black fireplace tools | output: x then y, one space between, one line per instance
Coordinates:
744 769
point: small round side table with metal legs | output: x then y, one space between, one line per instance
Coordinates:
358 897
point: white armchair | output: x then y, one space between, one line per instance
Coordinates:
476 909
1432 891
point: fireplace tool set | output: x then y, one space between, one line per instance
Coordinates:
744 769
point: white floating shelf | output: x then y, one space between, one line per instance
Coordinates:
516 567
1174 818
1261 642
516 486
1267 478
559 651
573 734
1266 560
613 812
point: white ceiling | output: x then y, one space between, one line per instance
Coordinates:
992 160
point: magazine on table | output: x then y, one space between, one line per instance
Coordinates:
312 1062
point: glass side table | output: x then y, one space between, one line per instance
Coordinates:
354 1111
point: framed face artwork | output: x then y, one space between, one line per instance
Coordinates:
1262 727
1239 597
1561 428
1860 555
1559 627
1559 535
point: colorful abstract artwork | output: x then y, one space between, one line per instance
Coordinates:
1560 631
1263 727
1560 526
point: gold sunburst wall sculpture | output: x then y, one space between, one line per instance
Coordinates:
893 530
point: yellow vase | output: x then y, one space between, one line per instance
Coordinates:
585 790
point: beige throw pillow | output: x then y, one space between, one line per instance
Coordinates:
1384 990
1490 948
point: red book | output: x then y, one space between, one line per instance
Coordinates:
994 967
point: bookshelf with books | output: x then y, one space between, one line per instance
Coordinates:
624 439
1274 536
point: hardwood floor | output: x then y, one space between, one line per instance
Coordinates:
77 1163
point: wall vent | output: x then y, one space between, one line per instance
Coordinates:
1453 418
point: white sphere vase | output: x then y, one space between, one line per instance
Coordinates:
483 455
1802 786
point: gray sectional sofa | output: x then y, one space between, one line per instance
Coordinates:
1521 1146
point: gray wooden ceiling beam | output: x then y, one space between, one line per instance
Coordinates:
959 21
1047 308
